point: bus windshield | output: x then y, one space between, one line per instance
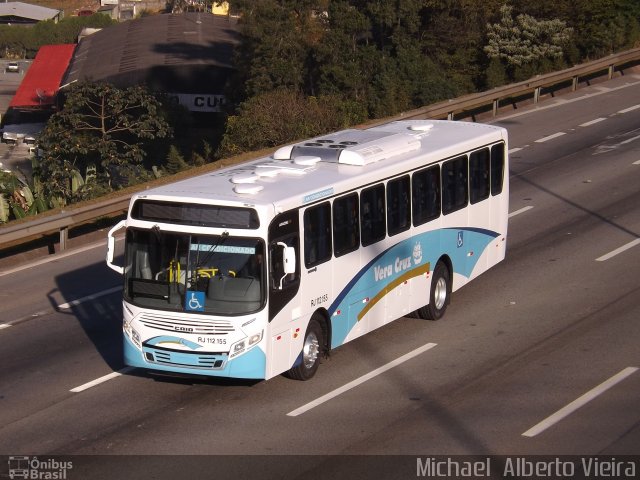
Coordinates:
210 274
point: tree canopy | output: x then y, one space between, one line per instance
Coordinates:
22 42
101 132
391 56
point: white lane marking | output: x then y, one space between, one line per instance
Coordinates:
57 256
358 381
618 250
522 210
4 325
579 402
626 110
100 380
637 162
592 122
550 137
629 140
93 296
514 150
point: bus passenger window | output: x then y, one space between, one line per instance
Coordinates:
346 228
372 215
479 175
454 184
425 190
497 168
398 210
317 234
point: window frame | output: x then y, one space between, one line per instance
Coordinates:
351 227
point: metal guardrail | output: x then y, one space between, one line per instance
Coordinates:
22 232
533 86
73 216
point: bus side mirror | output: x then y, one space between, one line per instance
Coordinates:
288 261
111 246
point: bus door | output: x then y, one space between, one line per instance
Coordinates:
284 301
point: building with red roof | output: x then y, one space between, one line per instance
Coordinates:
42 81
35 99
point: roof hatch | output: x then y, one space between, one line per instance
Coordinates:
356 147
247 181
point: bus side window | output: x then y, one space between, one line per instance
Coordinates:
346 228
497 168
426 195
454 184
479 175
372 215
398 210
317 234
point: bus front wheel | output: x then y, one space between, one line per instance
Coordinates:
439 294
307 363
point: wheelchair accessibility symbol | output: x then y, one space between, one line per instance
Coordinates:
194 301
460 239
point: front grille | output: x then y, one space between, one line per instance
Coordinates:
184 359
186 324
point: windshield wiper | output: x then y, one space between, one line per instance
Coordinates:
223 238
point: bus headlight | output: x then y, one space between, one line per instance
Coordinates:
135 336
245 344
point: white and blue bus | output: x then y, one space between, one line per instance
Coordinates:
262 268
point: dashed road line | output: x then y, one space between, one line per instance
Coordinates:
550 137
100 380
522 210
4 325
592 122
637 162
579 402
629 140
361 380
619 250
514 150
626 110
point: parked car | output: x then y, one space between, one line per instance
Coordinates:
13 67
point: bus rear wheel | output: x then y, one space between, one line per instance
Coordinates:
309 360
439 294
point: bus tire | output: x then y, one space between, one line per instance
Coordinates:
439 294
307 364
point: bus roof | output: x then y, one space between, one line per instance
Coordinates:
327 165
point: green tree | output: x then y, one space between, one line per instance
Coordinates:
25 42
276 38
282 116
101 127
605 26
525 41
175 161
